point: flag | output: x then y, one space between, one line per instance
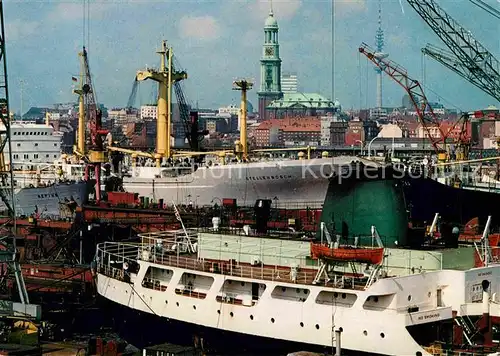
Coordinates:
75 79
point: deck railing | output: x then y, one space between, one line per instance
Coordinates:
111 257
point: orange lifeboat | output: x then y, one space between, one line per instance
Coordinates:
343 253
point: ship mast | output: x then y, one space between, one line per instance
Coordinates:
165 77
244 85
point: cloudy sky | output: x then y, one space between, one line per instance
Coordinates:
218 40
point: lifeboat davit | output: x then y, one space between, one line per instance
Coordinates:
348 253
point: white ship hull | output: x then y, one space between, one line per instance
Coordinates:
378 319
303 182
46 200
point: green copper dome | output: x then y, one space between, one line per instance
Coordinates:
271 21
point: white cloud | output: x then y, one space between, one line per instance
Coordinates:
70 11
19 29
199 27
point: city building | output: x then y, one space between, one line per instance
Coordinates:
149 112
270 67
333 130
390 130
355 134
289 82
288 132
302 104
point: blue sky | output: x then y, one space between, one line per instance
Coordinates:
218 40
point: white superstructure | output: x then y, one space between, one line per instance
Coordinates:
36 143
383 315
42 181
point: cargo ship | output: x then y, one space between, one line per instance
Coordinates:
298 182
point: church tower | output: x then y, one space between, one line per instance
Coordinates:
270 67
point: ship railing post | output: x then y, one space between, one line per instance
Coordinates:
338 343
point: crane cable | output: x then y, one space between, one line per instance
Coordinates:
486 7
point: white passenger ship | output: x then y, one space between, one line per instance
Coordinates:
41 178
271 289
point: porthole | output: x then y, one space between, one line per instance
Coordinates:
166 302
251 317
344 296
305 291
429 294
272 320
194 307
298 290
317 326
231 314
177 303
335 295
382 335
283 289
242 284
375 299
409 297
365 332
218 311
302 324
341 329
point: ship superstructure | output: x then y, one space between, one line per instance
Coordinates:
264 291
42 180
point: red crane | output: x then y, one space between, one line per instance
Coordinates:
96 153
414 89
425 114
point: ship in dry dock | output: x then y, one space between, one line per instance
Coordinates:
237 288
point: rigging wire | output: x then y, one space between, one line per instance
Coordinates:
486 7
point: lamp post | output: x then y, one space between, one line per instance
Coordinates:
360 146
370 146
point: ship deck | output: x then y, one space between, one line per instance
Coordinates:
112 255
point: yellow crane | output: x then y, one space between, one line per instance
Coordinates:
165 77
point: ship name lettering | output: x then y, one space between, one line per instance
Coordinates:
429 316
484 274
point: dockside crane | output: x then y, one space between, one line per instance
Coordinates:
9 254
188 117
90 115
425 113
466 56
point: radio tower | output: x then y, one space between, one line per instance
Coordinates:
379 46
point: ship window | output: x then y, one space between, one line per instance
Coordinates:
35 156
55 144
36 144
18 145
25 156
46 156
55 156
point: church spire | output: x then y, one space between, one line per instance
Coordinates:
270 65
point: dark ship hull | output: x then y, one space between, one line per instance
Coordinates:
401 205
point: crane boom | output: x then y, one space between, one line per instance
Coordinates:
414 90
468 51
449 60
